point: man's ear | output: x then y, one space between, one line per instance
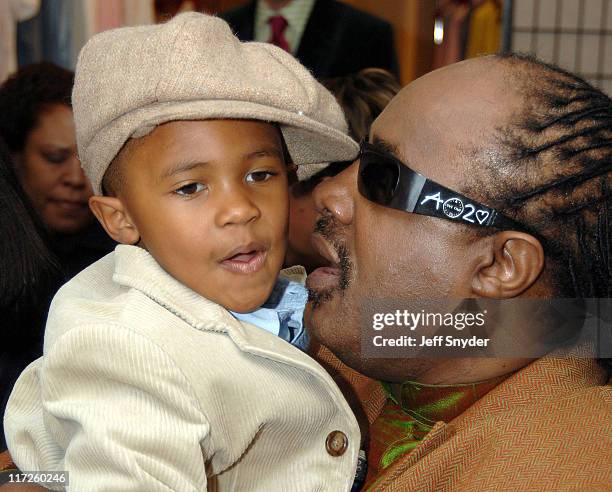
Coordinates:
514 262
115 219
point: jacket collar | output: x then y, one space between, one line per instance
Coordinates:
545 378
136 268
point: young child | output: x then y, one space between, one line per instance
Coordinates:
148 381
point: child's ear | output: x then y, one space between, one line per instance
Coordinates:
512 264
115 219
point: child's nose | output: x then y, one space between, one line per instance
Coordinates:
335 194
236 207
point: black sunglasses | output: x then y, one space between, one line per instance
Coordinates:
387 181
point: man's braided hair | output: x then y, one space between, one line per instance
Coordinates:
561 152
554 173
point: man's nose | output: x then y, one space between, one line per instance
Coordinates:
335 194
74 175
236 207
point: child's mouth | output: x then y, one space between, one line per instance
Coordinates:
248 259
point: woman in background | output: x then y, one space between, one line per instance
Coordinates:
363 96
37 125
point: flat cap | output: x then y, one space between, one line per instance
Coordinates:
132 79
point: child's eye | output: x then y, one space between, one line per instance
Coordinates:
190 189
259 176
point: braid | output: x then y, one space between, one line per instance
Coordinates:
558 151
553 174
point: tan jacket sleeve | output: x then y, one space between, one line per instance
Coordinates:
122 410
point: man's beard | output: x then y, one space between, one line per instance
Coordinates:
327 227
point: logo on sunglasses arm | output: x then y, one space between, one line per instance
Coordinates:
482 216
454 208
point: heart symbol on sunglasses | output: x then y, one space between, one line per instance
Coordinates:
482 216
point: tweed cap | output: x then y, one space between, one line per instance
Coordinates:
132 79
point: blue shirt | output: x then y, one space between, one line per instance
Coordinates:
283 313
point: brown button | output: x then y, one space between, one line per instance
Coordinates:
336 443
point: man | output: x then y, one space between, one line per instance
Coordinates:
328 37
530 145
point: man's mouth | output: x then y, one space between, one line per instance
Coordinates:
324 278
245 259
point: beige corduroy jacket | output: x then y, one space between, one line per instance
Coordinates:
146 386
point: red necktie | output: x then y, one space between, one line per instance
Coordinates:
278 24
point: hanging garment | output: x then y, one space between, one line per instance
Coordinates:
29 41
138 12
11 12
109 15
57 32
454 15
83 24
63 27
48 36
484 28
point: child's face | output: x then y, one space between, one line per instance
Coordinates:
210 201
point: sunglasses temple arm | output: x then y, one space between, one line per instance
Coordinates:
503 222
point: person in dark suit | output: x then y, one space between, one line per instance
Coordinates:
329 37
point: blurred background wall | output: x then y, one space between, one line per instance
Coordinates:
576 34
